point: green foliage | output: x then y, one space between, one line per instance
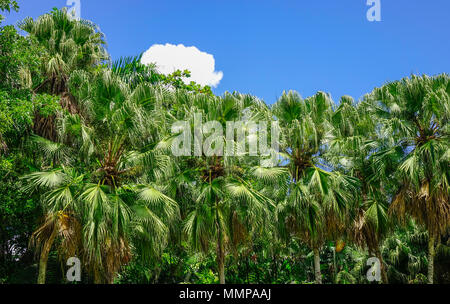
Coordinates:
98 179
46 105
176 80
15 113
18 55
8 5
18 215
404 255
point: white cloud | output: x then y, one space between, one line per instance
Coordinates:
169 58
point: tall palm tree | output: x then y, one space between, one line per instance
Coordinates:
318 200
226 204
120 200
414 114
69 45
355 141
61 221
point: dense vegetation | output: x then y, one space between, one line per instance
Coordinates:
86 170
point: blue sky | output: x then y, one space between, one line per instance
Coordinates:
265 47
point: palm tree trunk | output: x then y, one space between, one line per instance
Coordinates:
43 259
379 256
317 273
220 249
220 257
247 269
111 279
221 264
97 277
334 266
430 259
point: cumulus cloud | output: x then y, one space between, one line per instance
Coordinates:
169 58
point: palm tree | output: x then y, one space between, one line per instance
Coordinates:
317 201
226 205
120 200
61 220
355 142
69 45
414 114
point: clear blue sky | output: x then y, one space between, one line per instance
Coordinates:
265 47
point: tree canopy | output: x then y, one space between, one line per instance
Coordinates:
87 171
